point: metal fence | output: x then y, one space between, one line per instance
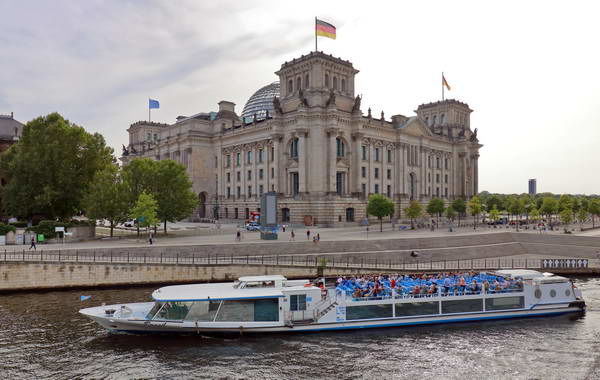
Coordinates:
313 261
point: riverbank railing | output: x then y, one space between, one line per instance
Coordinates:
318 261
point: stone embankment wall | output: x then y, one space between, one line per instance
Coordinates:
38 275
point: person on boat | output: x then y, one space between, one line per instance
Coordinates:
447 284
462 285
416 290
474 287
486 286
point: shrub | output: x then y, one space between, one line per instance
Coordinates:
19 224
46 228
6 228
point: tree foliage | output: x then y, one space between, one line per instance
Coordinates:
475 209
460 207
435 207
566 217
594 210
450 213
380 206
107 197
413 211
50 168
494 214
144 210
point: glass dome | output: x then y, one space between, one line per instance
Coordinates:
260 102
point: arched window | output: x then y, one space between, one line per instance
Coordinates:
326 80
442 118
341 149
290 86
343 85
294 148
306 81
335 83
298 83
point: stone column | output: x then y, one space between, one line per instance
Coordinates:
302 159
331 159
476 173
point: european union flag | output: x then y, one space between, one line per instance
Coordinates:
153 103
84 298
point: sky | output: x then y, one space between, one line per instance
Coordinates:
529 69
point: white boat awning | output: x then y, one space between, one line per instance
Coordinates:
213 292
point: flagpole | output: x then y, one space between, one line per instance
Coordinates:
442 86
316 49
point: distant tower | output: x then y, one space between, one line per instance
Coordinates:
532 186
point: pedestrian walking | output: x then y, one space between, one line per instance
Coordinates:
32 244
150 239
307 234
238 236
292 236
318 237
283 228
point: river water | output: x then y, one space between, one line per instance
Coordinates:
43 336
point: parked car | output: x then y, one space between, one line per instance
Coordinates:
252 226
130 223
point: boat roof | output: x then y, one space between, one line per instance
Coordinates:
213 292
275 277
525 274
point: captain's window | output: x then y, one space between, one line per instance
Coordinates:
297 302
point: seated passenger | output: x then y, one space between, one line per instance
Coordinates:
462 285
447 285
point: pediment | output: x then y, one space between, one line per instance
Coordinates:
415 127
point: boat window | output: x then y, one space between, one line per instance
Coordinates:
369 312
236 284
504 303
174 310
297 302
265 310
417 308
154 310
462 306
202 311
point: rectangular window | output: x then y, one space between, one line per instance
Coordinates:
249 177
437 162
260 174
389 174
249 157
437 178
376 188
239 194
216 160
149 137
239 176
228 177
377 154
428 177
235 212
260 190
228 192
376 174
389 156
272 172
504 303
417 308
446 192
368 312
237 159
297 302
445 178
462 306
446 163
429 162
260 156
249 311
249 191
272 154
389 191
228 160
364 188
437 191
339 183
295 184
363 172
364 152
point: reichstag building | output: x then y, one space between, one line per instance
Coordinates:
307 138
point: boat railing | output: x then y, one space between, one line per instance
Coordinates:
441 292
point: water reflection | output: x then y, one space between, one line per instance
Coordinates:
42 335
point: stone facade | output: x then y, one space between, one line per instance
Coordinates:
317 150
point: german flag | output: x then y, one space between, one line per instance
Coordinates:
324 29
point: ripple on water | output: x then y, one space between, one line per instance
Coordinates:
42 335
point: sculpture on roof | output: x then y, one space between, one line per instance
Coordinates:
473 137
331 99
356 106
125 151
303 100
277 106
133 151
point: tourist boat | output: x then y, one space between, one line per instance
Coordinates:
262 304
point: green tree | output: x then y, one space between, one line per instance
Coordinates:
549 207
566 217
413 211
172 189
450 213
460 207
534 214
475 209
494 214
51 167
516 208
582 216
565 201
435 207
380 206
144 211
594 209
107 197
